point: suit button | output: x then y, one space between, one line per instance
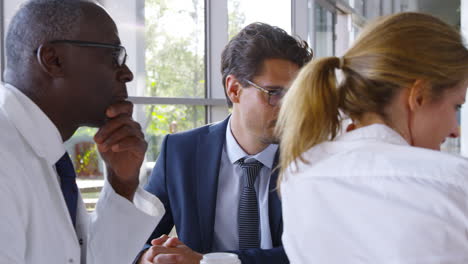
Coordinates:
70 260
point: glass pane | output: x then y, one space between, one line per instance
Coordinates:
452 145
354 33
160 121
324 44
166 119
165 42
88 164
175 48
84 154
358 5
273 12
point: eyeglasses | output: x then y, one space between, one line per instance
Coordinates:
274 96
119 54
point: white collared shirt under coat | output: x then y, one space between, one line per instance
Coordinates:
226 235
368 197
35 226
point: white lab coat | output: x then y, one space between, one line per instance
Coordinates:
35 226
369 197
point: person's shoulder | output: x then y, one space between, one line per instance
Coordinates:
218 127
10 139
13 150
382 160
416 162
436 164
189 141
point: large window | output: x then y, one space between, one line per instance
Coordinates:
174 49
324 21
358 5
453 145
174 67
165 40
273 12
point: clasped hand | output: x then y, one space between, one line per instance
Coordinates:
169 250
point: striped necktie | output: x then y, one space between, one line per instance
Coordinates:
68 185
248 216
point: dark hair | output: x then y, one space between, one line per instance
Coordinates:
245 53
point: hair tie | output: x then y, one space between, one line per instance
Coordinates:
341 65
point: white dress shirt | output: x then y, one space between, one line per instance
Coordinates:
226 235
35 226
369 197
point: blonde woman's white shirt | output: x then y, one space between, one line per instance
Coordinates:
35 226
369 197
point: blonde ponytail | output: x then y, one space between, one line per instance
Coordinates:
309 113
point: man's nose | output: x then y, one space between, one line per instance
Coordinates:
125 74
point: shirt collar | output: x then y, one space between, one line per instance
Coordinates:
375 131
32 123
235 152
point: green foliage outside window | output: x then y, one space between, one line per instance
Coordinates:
174 67
84 153
236 17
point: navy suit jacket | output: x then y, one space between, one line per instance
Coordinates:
185 179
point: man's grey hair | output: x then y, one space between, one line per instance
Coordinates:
37 22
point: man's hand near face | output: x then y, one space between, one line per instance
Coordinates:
122 145
165 250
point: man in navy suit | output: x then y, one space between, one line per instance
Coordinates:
199 173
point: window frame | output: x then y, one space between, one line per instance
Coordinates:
2 40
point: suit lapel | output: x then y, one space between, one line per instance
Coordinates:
274 207
209 150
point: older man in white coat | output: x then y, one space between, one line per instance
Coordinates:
66 68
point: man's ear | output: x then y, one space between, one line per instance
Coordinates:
418 94
50 61
233 88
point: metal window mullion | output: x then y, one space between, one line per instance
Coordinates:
2 37
177 101
464 110
312 34
299 13
216 38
